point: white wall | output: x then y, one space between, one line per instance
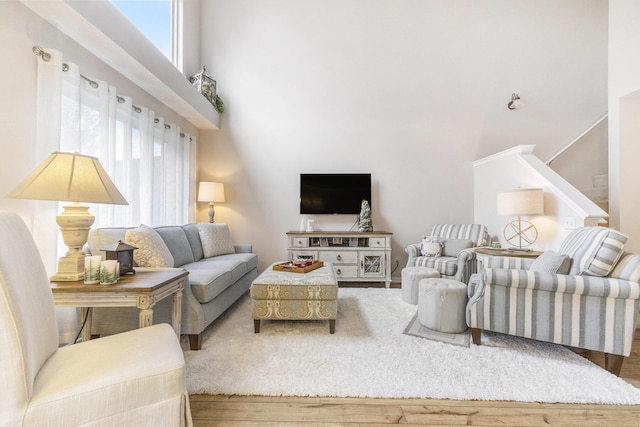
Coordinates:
412 91
624 118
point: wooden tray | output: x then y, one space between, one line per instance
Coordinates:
287 266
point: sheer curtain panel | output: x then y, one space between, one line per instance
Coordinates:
151 162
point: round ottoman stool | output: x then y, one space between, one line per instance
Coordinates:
442 305
411 276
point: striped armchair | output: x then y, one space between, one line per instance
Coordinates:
458 266
593 307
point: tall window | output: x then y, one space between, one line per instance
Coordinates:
153 19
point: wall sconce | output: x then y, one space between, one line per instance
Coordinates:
212 192
520 202
515 102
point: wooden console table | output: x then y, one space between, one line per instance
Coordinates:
142 290
356 256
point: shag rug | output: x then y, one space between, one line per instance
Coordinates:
370 356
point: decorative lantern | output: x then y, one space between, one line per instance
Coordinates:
123 253
205 85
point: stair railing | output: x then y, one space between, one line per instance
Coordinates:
576 139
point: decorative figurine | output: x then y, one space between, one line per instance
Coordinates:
364 222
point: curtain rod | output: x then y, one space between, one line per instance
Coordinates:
38 51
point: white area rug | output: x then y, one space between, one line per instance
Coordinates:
370 356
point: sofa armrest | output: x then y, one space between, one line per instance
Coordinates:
561 283
243 248
413 250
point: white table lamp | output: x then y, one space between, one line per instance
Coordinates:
518 203
70 177
212 192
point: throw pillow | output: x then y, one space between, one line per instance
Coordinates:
216 239
551 262
430 246
594 250
452 247
152 251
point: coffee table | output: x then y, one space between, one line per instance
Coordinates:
283 295
142 290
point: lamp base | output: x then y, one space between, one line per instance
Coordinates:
520 233
211 212
75 221
70 269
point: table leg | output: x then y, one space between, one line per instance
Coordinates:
145 317
256 326
332 326
176 314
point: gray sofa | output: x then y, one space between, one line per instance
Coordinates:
214 282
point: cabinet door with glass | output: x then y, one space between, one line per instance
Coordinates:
372 264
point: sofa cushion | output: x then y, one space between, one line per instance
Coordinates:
551 262
216 239
100 238
206 284
152 251
446 266
193 235
177 243
477 233
593 250
452 247
236 267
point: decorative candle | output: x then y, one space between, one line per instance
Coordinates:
108 274
92 269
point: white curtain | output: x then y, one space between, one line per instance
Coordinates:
151 162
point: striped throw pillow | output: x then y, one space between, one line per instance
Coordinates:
593 250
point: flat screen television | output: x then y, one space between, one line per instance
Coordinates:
334 193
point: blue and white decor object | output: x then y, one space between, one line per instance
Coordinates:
92 269
109 272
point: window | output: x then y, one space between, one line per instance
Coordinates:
153 19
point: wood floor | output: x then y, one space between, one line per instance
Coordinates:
222 410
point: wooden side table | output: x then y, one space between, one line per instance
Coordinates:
142 290
488 252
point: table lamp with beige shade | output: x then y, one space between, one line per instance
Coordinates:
521 202
77 178
212 192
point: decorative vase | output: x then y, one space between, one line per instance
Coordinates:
364 221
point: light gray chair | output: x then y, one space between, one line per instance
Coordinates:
130 379
593 306
458 259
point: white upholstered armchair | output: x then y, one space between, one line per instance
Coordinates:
130 379
593 306
457 259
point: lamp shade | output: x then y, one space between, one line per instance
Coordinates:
69 177
527 201
211 192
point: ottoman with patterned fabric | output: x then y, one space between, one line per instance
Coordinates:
282 295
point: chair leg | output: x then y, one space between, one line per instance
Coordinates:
613 363
476 336
195 341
